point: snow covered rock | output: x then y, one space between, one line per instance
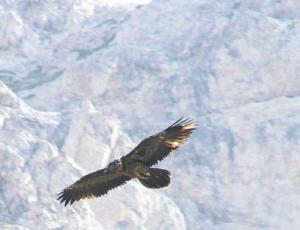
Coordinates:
84 83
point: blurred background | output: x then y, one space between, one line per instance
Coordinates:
83 82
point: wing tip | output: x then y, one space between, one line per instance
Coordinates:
178 133
185 123
64 197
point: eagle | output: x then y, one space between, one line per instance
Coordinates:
136 164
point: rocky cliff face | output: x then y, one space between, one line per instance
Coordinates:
83 82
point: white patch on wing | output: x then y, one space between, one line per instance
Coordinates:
90 196
172 144
189 126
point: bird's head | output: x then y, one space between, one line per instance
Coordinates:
116 164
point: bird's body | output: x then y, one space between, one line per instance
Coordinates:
137 164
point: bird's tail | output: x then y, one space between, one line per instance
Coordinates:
158 178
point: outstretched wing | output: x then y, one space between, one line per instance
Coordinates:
157 147
93 185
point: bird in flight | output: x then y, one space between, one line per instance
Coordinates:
136 164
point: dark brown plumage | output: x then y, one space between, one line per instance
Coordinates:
136 164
